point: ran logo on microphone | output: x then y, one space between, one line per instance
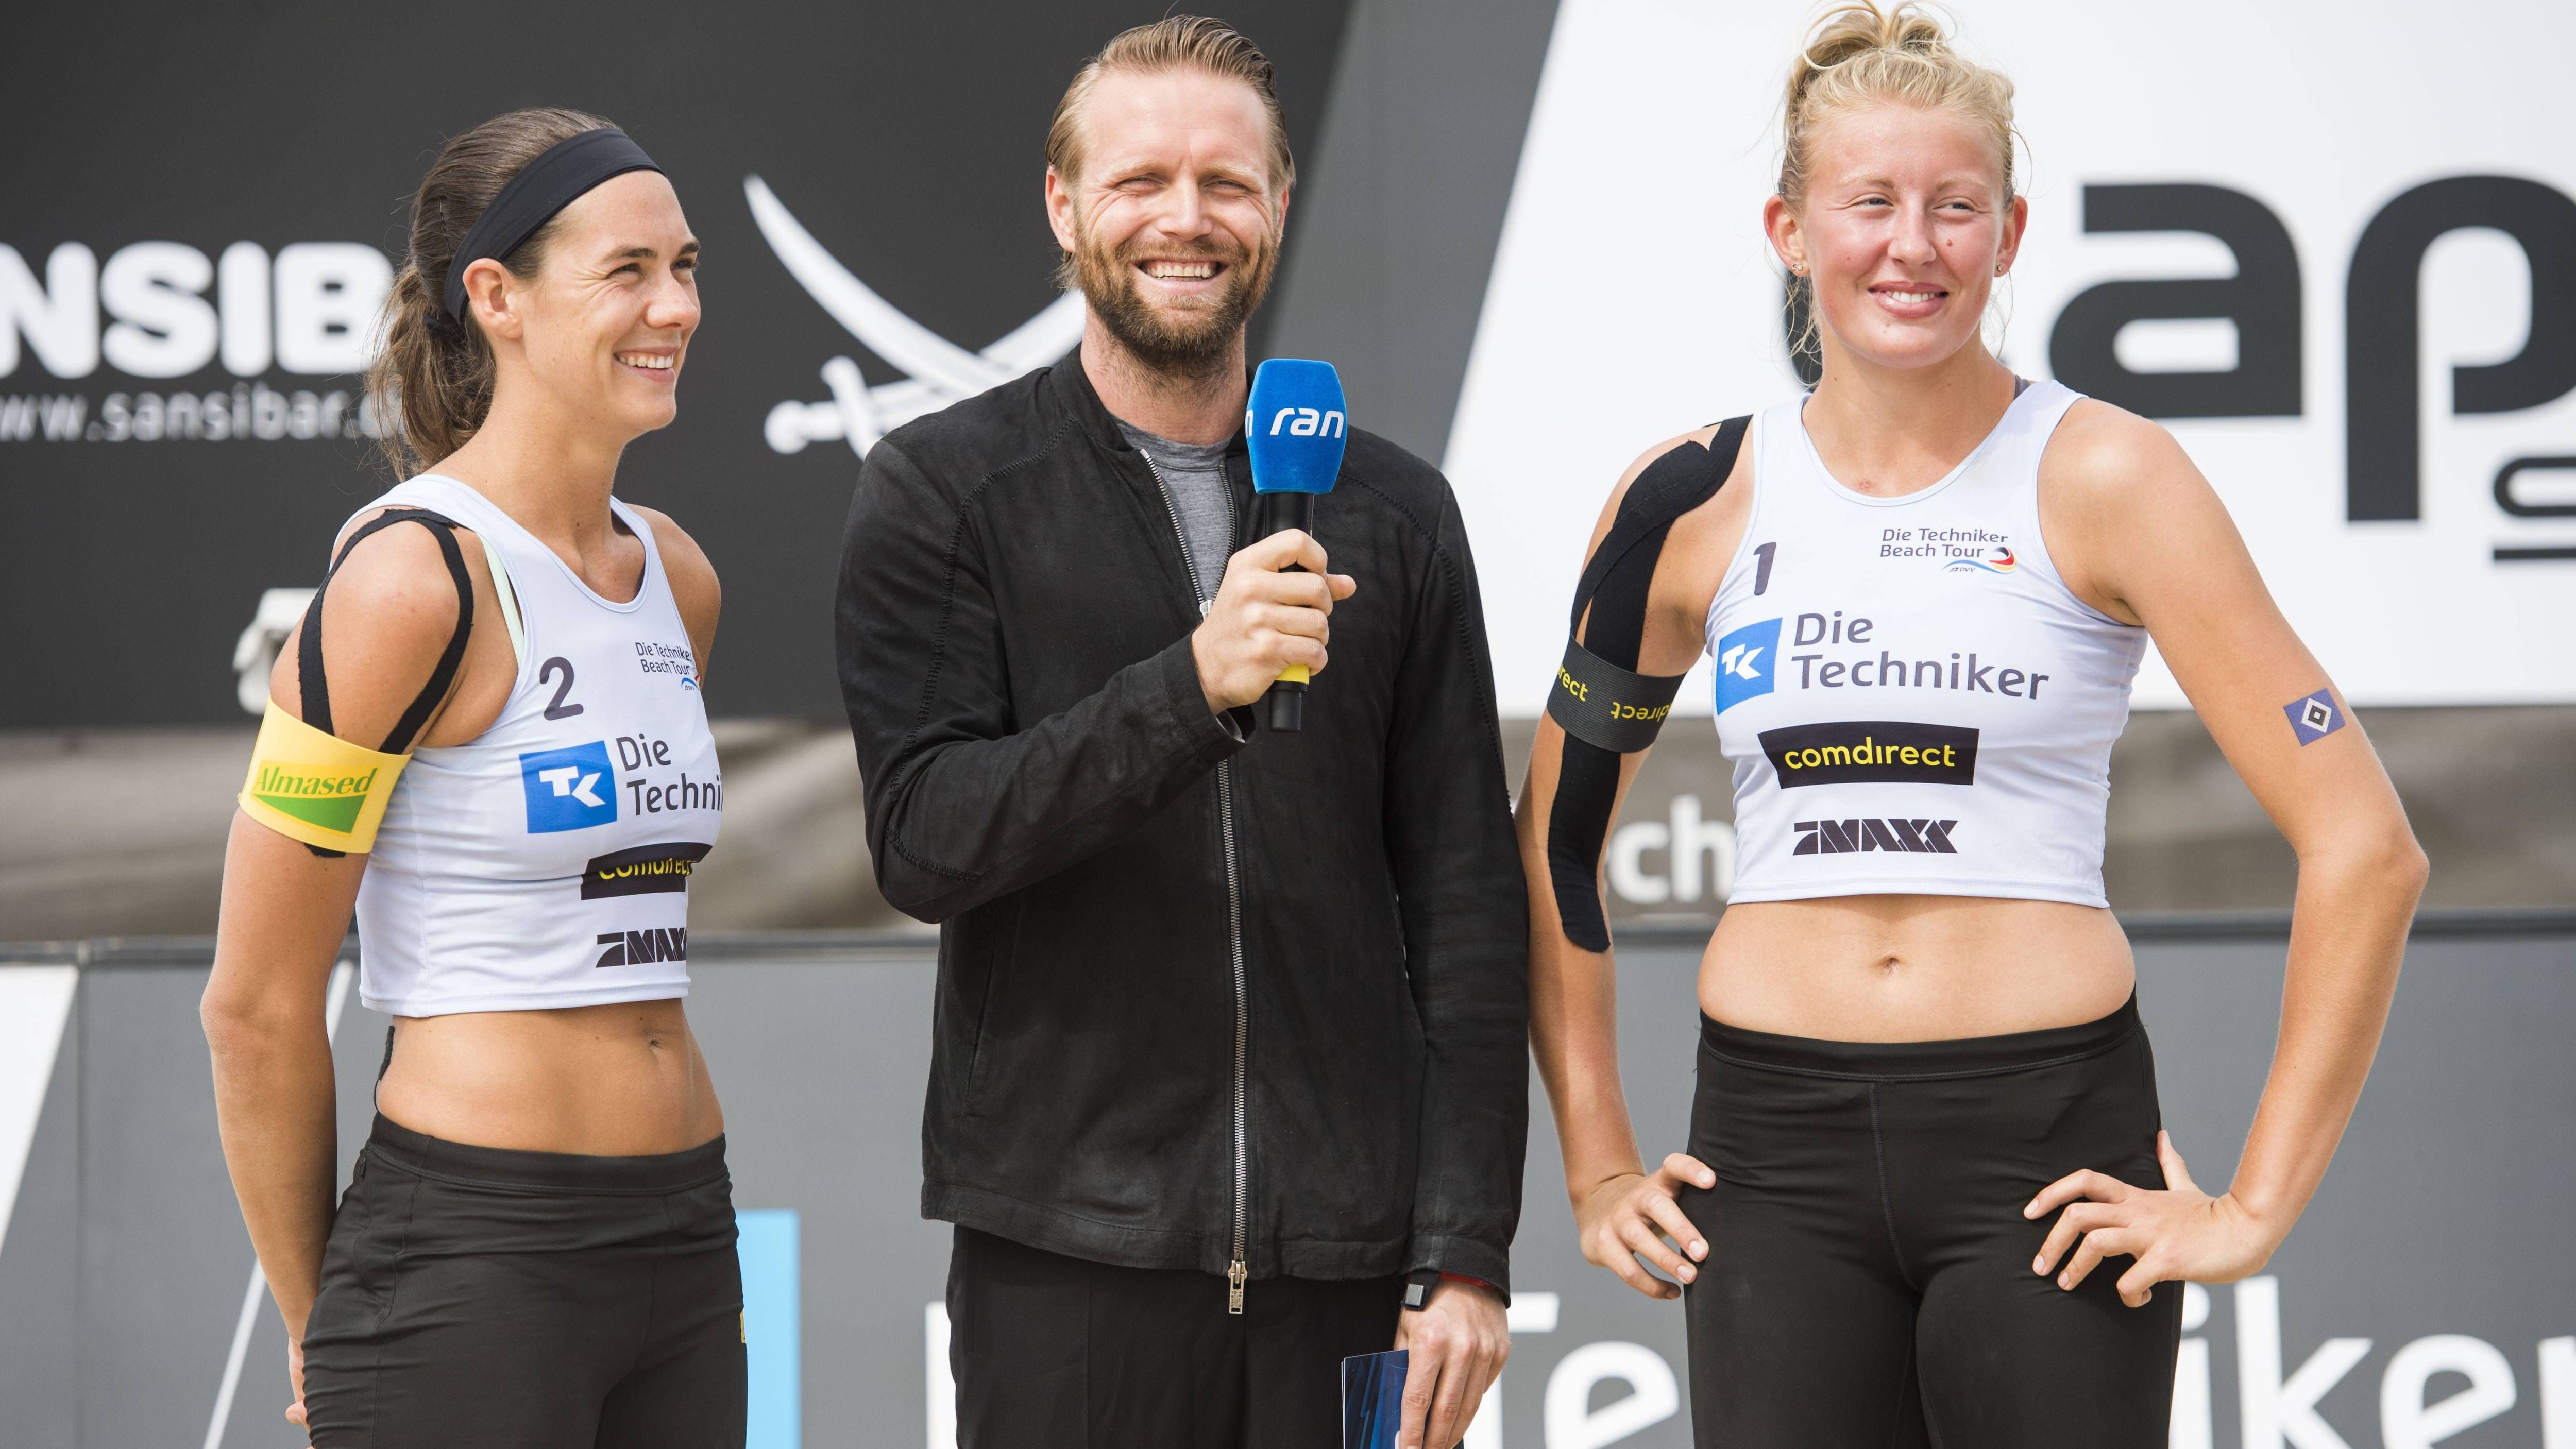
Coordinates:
1308 423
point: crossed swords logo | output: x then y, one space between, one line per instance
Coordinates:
938 371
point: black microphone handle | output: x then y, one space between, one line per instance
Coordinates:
1278 513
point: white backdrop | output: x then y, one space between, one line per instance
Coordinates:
1633 297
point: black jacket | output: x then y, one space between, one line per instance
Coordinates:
1152 928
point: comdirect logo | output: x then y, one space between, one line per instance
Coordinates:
330 801
568 789
1581 690
1744 662
645 870
1845 751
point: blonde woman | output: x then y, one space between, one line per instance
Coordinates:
490 740
1927 1198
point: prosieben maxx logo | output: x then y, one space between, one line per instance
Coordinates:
643 948
1842 837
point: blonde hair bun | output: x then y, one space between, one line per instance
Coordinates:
1858 55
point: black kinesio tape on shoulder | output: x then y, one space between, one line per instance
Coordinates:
314 687
1598 681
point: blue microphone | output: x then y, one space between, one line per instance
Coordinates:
1296 427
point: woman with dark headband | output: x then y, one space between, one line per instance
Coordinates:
490 739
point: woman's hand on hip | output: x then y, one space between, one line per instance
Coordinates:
1630 1216
2179 1232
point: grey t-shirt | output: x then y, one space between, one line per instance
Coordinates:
1194 475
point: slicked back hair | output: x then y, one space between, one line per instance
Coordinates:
1172 43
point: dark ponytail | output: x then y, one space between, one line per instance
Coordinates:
431 385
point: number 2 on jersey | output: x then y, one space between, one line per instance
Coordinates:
556 708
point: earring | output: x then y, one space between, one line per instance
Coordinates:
1999 271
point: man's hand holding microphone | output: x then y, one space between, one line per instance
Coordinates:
1266 629
1266 619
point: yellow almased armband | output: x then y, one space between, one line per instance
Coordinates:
313 786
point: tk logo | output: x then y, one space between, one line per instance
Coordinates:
1744 663
568 789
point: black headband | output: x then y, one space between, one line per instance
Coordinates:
561 175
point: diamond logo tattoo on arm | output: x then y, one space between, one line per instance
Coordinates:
2314 717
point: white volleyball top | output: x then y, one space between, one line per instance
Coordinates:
1912 699
546 862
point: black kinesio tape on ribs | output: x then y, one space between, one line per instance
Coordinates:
1604 706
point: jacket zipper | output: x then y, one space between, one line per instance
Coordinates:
1237 1272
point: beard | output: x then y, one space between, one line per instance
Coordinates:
1190 340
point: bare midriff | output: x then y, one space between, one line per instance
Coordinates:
624 1080
1913 967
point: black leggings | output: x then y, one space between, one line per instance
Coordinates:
1869 1276
527 1300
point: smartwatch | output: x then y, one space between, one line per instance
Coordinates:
1417 1288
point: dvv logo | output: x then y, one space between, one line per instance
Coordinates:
2002 563
568 789
1744 662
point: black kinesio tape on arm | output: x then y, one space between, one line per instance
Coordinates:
1587 774
1600 703
1587 787
1604 706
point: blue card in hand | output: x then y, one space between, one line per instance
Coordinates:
1372 1399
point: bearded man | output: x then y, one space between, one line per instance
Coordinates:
1228 1078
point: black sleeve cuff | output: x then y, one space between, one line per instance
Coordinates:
1175 675
1465 1257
